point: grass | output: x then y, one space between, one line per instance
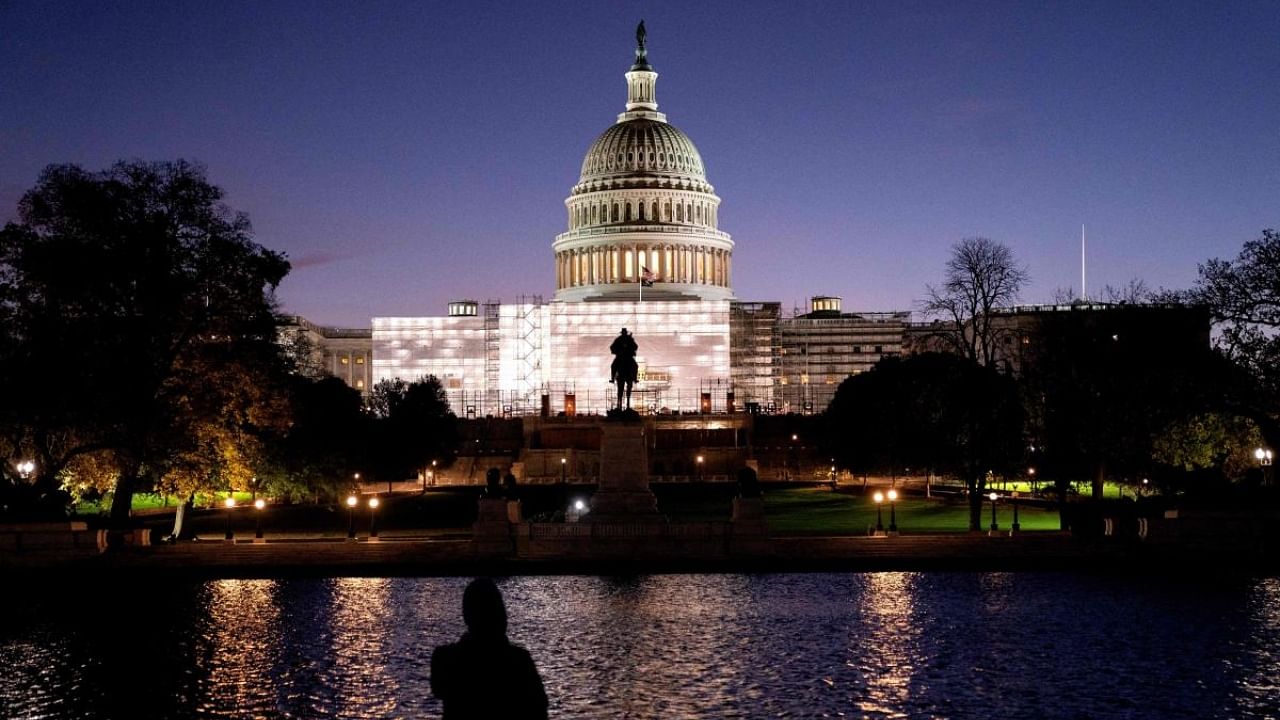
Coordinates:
819 511
146 502
788 511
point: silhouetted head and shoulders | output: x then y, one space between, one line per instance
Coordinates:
483 675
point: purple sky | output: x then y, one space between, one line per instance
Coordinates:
405 154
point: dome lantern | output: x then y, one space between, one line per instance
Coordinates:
641 83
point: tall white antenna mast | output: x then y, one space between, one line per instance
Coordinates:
1084 289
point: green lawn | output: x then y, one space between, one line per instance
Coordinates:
818 511
153 501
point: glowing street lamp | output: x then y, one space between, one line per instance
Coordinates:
26 467
564 470
993 497
352 500
258 505
1031 475
879 498
230 504
1016 525
1264 456
700 461
373 516
893 513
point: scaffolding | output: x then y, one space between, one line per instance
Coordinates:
528 346
492 357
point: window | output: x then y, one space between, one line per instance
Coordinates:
359 359
359 384
344 360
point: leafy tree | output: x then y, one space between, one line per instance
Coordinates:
1243 297
139 316
327 443
1209 441
414 425
931 410
1100 385
981 276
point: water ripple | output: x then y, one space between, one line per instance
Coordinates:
878 645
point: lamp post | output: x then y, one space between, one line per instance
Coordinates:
879 498
351 516
699 462
893 512
1264 457
230 504
1031 475
25 468
258 505
1016 525
994 525
373 516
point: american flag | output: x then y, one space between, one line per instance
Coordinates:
646 277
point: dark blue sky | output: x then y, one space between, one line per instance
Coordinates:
405 154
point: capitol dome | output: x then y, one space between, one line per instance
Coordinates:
650 151
642 214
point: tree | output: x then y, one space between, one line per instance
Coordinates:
1243 297
139 316
1209 441
413 426
327 443
931 410
981 276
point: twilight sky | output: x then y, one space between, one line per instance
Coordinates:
407 153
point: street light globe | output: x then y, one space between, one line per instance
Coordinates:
699 458
579 505
893 495
351 501
357 477
563 460
259 503
993 497
374 503
878 497
1031 471
229 502
1259 453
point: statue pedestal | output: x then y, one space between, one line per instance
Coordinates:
491 534
623 494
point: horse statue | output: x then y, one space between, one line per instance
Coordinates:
625 369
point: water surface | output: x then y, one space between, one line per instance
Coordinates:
874 645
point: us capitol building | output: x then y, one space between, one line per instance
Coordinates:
643 250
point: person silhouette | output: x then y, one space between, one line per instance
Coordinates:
483 675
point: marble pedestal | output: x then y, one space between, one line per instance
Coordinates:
623 494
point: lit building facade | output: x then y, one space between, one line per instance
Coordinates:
642 250
344 353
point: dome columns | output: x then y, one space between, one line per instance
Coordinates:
625 262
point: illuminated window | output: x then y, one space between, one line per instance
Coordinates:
344 360
359 384
359 359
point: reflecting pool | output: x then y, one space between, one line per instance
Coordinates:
875 645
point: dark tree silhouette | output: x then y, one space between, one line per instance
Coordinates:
1243 297
414 425
931 410
140 329
981 276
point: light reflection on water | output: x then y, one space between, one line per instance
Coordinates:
880 645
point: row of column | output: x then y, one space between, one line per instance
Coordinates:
686 212
667 263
